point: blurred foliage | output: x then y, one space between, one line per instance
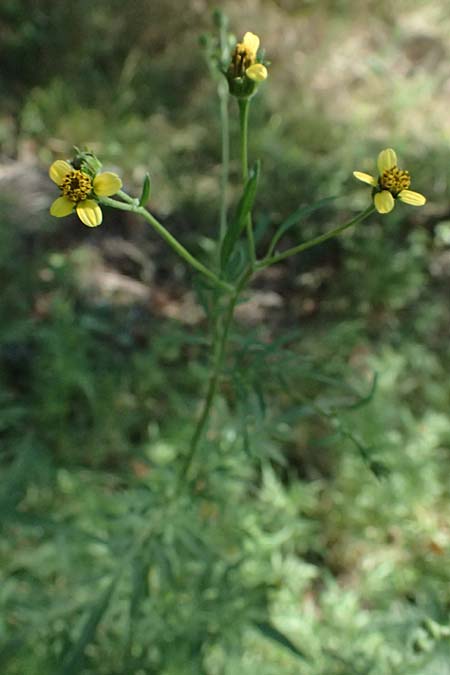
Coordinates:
316 538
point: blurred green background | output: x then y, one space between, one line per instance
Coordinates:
316 540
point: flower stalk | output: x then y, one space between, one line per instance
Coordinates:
244 108
224 96
272 260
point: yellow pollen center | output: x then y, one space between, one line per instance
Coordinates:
76 186
395 180
242 59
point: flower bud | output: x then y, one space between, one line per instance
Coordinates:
245 72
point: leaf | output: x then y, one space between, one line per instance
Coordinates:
274 634
261 227
145 194
260 397
243 210
17 478
74 661
294 219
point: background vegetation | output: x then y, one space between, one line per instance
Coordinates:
316 539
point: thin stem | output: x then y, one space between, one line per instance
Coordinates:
266 262
169 238
220 339
244 107
224 118
207 405
225 138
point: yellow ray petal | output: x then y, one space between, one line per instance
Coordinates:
257 72
365 178
61 207
59 170
89 213
387 159
411 197
107 184
251 42
384 201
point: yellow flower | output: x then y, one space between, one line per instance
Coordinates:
245 70
392 183
79 192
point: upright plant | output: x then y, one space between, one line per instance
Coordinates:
85 190
240 70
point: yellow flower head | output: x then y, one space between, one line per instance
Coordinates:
80 191
392 183
245 71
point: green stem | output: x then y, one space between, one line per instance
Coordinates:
224 117
220 339
244 107
266 262
169 238
225 138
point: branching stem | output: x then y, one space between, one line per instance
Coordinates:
267 262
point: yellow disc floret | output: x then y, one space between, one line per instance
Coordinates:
395 180
243 58
76 186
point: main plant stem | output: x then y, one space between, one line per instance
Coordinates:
219 345
244 107
222 327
